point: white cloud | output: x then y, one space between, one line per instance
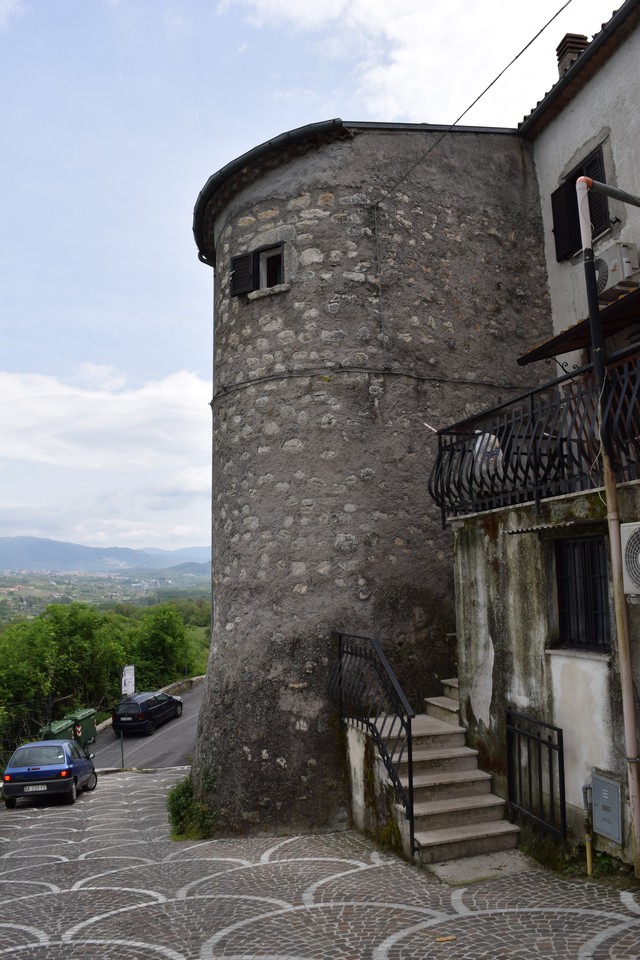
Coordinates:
9 9
101 427
100 463
192 480
98 375
175 22
427 62
308 14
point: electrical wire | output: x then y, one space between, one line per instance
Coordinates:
420 160
330 372
595 470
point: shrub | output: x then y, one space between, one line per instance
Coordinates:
189 819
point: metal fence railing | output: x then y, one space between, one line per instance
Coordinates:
535 772
367 693
542 444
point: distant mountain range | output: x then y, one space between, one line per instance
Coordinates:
36 553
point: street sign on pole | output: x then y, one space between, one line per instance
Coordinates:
128 680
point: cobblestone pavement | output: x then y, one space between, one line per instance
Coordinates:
102 879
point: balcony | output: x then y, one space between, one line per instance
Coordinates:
542 444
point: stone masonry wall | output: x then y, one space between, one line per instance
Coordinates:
390 315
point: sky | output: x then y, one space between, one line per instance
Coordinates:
113 115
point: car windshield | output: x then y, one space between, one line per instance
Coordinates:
37 756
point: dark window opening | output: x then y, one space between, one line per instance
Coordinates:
564 207
257 270
270 266
583 593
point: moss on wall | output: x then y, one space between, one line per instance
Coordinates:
380 801
509 654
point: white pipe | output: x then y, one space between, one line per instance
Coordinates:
582 192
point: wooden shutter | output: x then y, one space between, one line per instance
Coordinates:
564 206
598 204
242 274
565 215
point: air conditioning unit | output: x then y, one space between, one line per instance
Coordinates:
615 265
630 541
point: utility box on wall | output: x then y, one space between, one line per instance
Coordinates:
607 819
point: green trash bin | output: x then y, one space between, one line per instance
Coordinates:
57 730
83 725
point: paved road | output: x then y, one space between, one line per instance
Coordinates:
101 880
171 745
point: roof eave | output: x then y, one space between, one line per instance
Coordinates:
617 316
580 72
216 180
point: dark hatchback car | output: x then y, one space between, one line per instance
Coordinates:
143 712
48 768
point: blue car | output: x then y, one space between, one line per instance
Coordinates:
48 768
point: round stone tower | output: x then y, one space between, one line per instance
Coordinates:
371 281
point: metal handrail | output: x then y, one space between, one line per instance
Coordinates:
366 690
542 444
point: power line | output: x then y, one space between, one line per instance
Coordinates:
471 105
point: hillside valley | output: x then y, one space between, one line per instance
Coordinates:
41 554
35 572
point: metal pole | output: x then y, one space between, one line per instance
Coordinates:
412 821
609 191
611 494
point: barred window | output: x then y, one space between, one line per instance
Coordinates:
583 593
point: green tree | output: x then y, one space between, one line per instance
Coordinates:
27 657
72 655
162 649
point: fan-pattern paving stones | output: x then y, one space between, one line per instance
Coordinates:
102 880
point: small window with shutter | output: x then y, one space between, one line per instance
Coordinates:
257 270
564 207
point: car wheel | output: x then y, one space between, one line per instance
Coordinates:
179 710
10 802
116 733
91 783
151 728
73 793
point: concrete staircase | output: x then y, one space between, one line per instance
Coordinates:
455 813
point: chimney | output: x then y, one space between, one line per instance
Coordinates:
569 50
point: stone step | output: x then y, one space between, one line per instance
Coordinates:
455 813
450 688
431 732
450 783
438 814
466 841
430 760
444 708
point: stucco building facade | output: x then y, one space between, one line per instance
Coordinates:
538 631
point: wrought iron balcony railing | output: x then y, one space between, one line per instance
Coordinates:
543 444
